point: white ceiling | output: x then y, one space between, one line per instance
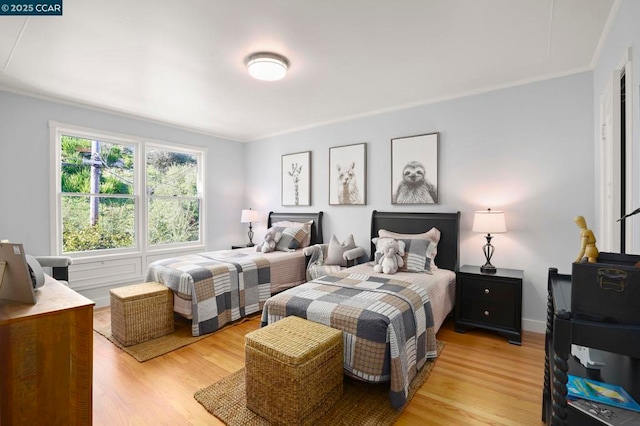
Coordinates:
182 62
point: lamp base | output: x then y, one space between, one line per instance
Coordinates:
488 269
250 234
488 250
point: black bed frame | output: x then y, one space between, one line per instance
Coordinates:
316 228
417 223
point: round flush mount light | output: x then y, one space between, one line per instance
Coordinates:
267 66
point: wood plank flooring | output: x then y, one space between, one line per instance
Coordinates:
479 379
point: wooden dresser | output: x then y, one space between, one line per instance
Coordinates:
46 358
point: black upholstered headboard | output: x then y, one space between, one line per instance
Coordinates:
316 228
417 223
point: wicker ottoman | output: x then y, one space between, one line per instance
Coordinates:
293 370
141 312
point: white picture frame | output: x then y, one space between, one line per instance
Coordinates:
414 169
296 179
348 175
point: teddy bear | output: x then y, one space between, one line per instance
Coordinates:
271 238
390 253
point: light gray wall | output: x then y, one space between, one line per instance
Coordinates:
624 34
526 150
25 168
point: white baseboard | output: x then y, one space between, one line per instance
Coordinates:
534 325
100 295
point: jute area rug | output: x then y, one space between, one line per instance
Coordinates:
361 403
153 348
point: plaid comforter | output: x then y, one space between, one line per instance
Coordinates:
223 286
387 324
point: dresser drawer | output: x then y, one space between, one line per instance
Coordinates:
488 312
494 291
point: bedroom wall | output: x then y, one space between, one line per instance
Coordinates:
624 33
526 150
25 168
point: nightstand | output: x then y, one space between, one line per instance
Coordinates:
240 246
490 301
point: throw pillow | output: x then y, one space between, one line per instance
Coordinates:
416 255
305 225
433 234
291 238
335 252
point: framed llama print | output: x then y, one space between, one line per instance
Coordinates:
348 174
296 179
414 169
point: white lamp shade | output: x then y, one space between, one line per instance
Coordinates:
267 66
249 216
489 222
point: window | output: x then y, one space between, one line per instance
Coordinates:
173 202
100 204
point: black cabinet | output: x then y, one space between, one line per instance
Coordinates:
490 301
240 246
620 341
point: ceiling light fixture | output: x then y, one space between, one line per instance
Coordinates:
267 66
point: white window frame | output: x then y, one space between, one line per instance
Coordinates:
200 154
141 145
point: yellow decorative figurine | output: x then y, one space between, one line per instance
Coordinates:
587 241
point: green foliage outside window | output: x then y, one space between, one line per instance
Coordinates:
173 220
115 228
168 174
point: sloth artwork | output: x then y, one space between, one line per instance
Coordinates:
414 187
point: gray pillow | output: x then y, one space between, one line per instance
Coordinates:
416 255
335 252
291 238
433 234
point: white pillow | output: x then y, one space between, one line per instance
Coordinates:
305 225
433 234
335 252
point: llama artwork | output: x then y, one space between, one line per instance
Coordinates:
348 192
348 175
295 175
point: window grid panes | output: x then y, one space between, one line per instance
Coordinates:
100 206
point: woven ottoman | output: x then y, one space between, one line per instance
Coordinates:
293 371
141 312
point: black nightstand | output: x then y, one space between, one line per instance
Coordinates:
241 246
490 301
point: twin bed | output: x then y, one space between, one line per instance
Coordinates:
219 287
389 322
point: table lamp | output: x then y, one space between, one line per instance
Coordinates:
491 222
249 216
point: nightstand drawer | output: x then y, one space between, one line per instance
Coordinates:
494 291
487 312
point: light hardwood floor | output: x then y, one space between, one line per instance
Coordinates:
479 379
